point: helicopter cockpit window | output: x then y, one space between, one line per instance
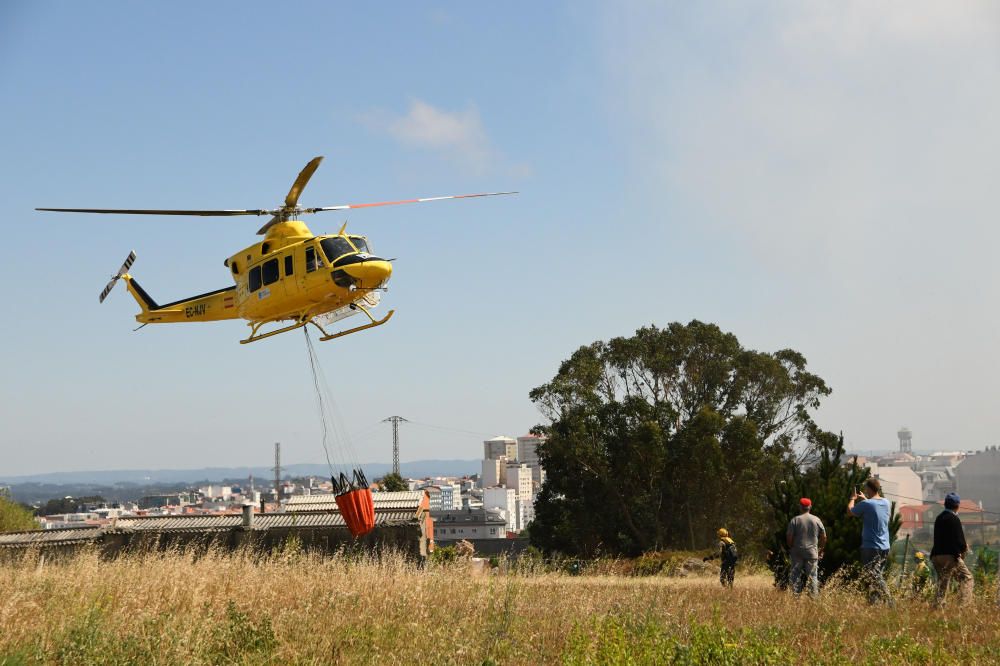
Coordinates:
254 278
360 243
335 247
310 259
269 271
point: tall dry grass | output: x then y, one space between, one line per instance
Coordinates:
295 608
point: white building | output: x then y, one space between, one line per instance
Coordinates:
500 447
450 497
217 492
900 485
525 513
519 480
469 524
493 472
505 500
471 502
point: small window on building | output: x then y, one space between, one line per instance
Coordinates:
493 530
269 271
311 259
289 266
255 278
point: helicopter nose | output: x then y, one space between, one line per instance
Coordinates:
371 272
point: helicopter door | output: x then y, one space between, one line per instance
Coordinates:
312 278
288 274
272 289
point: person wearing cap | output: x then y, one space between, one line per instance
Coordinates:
728 554
806 539
921 574
948 554
874 512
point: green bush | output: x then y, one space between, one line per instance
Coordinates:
15 517
443 555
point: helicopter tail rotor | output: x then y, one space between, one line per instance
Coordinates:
117 276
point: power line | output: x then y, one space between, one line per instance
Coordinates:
458 430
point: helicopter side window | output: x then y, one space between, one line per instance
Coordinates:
360 243
254 278
335 247
269 271
289 267
310 259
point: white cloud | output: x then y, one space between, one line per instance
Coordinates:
456 135
833 131
850 146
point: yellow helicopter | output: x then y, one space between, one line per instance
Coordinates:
291 275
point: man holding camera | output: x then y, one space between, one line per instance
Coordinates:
874 512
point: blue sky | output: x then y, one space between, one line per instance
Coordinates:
816 176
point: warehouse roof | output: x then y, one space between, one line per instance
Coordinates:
205 523
49 537
407 500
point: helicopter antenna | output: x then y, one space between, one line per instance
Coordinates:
117 276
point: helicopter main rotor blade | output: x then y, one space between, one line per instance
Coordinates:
403 201
130 211
300 183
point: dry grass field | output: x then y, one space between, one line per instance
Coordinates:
299 609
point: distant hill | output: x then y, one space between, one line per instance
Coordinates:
415 469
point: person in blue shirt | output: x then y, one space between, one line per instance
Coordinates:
874 511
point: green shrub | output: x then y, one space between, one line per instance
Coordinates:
241 639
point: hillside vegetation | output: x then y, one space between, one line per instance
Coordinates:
293 608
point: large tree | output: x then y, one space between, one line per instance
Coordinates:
658 439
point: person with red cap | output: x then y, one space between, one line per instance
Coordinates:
806 539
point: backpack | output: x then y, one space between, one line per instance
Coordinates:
729 553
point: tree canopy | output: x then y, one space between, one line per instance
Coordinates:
393 482
69 504
16 517
657 440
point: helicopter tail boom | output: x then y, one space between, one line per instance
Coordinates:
213 306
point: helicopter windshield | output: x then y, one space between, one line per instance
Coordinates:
360 243
335 247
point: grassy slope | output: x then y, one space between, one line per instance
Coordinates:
292 609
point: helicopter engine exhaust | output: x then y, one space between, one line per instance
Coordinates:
129 260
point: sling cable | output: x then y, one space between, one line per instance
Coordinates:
350 486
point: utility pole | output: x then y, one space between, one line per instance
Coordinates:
395 421
277 471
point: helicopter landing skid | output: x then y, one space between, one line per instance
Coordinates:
371 324
254 337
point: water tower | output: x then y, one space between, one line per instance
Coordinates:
905 440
